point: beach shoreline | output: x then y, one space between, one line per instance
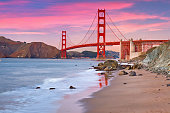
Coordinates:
72 103
132 94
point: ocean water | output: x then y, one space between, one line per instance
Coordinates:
20 77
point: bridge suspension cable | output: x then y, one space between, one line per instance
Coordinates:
116 26
69 39
88 29
91 34
113 31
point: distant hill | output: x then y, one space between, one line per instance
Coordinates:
91 54
112 54
15 49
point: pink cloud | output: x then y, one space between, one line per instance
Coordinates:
14 2
77 15
123 16
69 7
24 33
39 22
154 29
129 27
84 8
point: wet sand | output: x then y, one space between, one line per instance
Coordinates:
141 94
71 103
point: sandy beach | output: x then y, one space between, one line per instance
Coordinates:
132 94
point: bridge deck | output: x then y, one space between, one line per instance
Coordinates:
112 43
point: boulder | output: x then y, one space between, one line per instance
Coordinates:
51 88
108 65
37 88
132 73
102 73
123 73
108 68
100 68
71 87
100 64
112 63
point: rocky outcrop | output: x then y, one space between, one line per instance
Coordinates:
132 73
108 65
159 59
7 46
13 49
72 87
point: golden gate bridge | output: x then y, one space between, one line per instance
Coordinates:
128 48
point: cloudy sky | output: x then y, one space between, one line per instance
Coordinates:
43 20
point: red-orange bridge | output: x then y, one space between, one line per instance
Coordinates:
128 48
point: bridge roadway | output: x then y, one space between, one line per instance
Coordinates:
114 43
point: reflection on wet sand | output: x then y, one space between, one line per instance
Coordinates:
103 80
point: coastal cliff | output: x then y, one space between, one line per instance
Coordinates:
16 49
158 60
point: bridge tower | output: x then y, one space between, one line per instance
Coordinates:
101 29
63 47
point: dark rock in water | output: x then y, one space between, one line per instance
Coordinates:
100 64
123 73
37 88
100 68
108 65
132 73
140 74
71 87
51 88
167 85
102 73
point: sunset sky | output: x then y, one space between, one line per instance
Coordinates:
43 20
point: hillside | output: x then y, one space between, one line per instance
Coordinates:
13 49
159 58
17 49
91 54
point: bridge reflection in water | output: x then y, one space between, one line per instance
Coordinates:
103 80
